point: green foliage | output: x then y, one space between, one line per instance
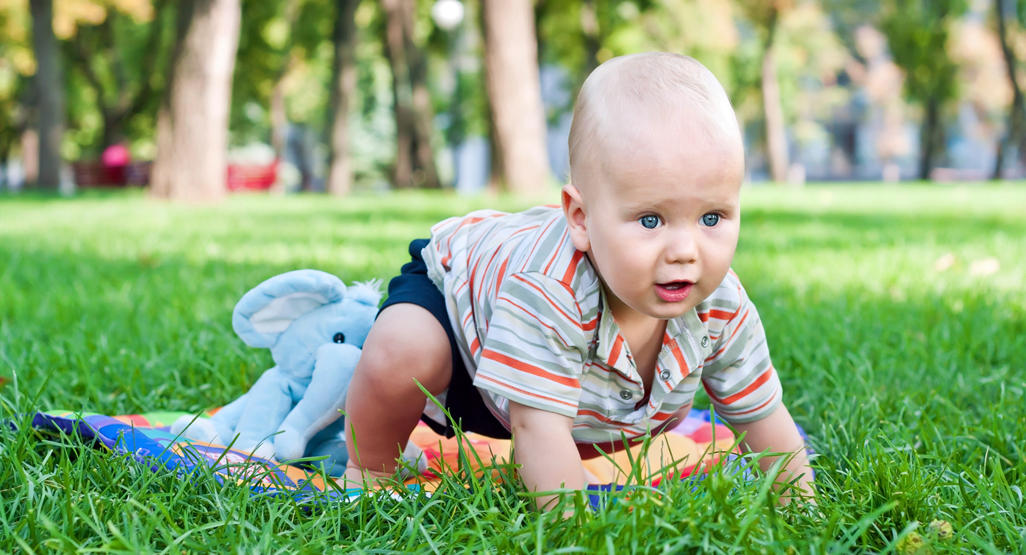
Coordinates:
16 63
917 35
895 315
116 72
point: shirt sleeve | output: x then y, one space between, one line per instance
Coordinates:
533 352
739 376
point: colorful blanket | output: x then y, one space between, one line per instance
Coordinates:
686 450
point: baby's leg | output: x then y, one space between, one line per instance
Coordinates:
405 346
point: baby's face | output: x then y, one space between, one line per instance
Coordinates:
659 217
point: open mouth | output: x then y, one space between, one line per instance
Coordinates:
673 291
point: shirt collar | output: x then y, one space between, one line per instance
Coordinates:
686 344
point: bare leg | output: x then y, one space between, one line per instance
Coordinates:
405 346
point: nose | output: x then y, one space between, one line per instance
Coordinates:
682 246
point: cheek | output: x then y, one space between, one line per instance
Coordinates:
721 248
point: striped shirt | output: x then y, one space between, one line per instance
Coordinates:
528 312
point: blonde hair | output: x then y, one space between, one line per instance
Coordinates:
648 83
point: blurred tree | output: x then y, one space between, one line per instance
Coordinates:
765 15
520 163
1015 133
48 93
16 66
917 34
343 79
192 126
277 40
415 158
578 35
119 60
283 32
264 54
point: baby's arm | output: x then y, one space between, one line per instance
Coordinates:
778 433
545 450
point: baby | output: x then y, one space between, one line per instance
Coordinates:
569 328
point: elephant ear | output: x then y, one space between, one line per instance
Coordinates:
268 309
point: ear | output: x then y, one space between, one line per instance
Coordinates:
576 218
268 309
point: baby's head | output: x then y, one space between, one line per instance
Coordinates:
628 98
656 164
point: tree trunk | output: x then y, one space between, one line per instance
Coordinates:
343 78
49 91
776 132
277 110
1016 132
192 125
414 161
929 138
514 92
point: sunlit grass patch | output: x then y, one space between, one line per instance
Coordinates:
895 316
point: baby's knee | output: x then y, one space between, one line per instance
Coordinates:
403 362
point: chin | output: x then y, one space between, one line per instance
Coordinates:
670 312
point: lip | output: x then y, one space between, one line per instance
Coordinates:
673 291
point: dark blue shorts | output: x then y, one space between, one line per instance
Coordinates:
463 401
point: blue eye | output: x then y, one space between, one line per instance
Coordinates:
710 219
649 222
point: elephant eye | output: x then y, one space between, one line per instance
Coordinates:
339 338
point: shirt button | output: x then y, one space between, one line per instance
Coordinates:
625 395
665 374
705 341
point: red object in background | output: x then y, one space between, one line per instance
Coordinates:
115 159
96 174
116 155
252 177
240 177
114 169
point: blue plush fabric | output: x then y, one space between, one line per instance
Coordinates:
314 326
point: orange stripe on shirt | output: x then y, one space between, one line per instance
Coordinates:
544 295
448 244
541 235
614 352
679 356
502 275
722 314
533 315
601 417
523 392
663 415
739 326
751 387
472 277
756 409
572 268
555 252
530 369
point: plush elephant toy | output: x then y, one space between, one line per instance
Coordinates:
315 327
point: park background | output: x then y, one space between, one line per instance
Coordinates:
332 96
161 158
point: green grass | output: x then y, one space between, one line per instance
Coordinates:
896 317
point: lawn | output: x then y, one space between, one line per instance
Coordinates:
896 317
